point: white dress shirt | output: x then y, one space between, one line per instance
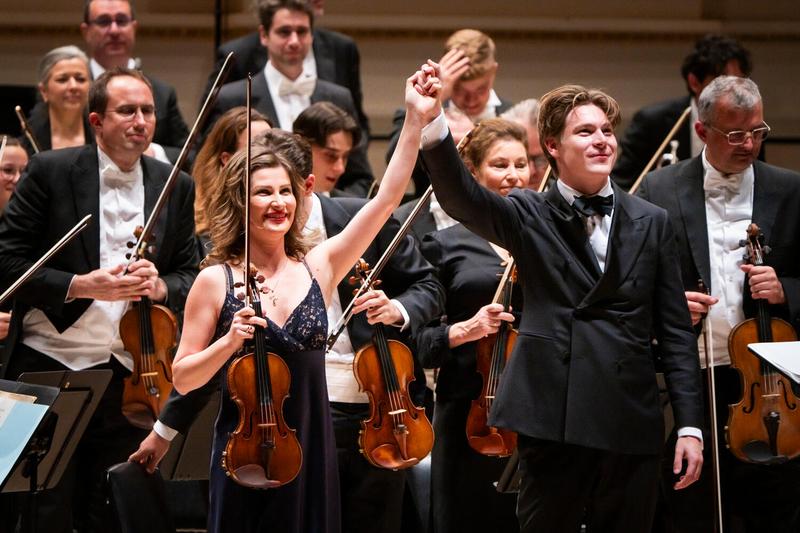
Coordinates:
489 111
342 384
290 97
729 210
95 335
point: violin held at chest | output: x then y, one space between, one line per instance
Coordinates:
764 426
397 435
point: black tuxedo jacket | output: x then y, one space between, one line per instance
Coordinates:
39 122
408 277
358 175
337 57
776 201
582 372
419 175
59 188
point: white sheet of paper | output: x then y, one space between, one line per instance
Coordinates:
785 356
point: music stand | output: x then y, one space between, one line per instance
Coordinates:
79 392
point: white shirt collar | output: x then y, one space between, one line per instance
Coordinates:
569 193
110 169
489 111
97 68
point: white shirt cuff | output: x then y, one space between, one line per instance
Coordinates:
434 133
403 312
164 431
689 431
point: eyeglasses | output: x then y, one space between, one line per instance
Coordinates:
105 21
128 112
737 137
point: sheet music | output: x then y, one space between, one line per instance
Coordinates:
18 421
785 356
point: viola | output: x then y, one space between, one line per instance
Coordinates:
398 434
492 354
263 451
764 426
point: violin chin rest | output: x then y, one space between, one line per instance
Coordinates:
491 444
760 452
254 476
388 456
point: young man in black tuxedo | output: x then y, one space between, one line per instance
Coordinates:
602 267
711 200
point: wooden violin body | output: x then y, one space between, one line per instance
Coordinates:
764 426
397 434
262 452
492 353
149 333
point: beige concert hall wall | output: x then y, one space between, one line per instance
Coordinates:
631 49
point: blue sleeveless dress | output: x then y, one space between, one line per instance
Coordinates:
310 503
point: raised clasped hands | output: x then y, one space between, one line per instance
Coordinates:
423 93
114 284
379 308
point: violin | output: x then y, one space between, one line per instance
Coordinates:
148 331
764 426
397 435
492 354
263 451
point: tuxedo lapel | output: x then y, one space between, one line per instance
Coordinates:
765 198
570 230
85 177
153 185
262 100
691 201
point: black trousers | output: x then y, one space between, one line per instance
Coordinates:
564 485
372 498
79 499
755 498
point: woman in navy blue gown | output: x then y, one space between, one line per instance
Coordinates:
298 283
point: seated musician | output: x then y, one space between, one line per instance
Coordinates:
711 199
67 317
526 114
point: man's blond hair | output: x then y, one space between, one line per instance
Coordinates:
478 47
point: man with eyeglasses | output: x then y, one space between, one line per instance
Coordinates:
67 316
711 200
109 29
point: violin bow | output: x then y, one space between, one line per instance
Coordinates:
26 129
71 234
660 149
708 349
248 290
373 274
140 247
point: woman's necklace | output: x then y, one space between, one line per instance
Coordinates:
270 292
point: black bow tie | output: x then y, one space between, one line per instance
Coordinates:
594 205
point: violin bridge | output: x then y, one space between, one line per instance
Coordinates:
148 374
397 412
267 424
